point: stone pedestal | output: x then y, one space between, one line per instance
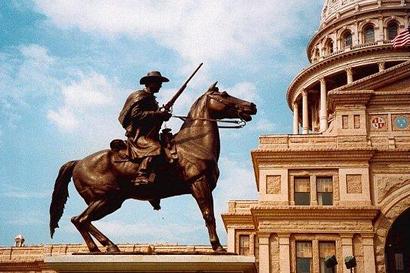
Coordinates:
151 263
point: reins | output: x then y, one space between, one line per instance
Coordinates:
239 123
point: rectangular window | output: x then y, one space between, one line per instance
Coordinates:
324 188
326 249
244 245
356 119
303 257
302 191
345 121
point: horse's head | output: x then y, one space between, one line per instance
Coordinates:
222 105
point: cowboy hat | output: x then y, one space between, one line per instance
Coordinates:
153 76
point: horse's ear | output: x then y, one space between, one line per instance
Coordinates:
213 87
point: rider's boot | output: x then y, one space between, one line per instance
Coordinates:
143 176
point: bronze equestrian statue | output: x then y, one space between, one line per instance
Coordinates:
142 120
104 179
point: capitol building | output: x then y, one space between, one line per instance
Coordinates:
339 183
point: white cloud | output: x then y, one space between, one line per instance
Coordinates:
37 54
25 72
198 30
237 180
83 100
244 90
91 91
63 118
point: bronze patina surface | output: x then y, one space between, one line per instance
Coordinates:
103 179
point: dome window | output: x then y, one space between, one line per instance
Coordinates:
368 34
347 39
329 47
392 29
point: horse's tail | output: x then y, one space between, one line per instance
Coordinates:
60 194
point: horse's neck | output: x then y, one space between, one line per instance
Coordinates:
200 132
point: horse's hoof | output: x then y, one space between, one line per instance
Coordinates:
113 248
220 250
95 250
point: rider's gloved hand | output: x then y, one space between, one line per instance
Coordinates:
164 115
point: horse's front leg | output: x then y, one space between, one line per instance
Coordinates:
203 196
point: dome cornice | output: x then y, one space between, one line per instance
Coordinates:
329 61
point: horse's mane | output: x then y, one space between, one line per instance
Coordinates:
199 104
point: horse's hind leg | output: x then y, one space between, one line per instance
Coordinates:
84 232
203 196
95 211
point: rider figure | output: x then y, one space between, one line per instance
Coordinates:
142 120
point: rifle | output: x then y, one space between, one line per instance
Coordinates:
171 102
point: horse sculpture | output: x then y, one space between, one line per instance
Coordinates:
104 181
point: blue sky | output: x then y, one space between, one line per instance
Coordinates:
66 68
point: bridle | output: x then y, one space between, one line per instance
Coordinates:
239 123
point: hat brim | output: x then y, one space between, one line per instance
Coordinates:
148 79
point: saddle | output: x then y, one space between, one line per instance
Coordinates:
169 149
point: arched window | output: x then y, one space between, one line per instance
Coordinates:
329 47
392 28
347 39
368 34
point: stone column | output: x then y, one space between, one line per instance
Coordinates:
264 253
295 118
347 248
231 239
368 253
349 72
323 106
381 66
305 121
284 253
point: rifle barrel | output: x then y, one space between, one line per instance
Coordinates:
171 102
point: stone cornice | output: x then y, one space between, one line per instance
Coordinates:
315 213
391 98
390 155
379 79
233 219
356 97
310 153
353 54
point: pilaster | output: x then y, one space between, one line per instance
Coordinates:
368 253
284 253
347 248
264 253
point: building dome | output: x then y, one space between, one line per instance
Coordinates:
353 41
333 8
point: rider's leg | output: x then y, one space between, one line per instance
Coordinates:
143 173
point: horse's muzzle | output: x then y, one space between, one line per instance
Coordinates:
247 112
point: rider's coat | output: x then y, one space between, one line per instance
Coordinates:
141 124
